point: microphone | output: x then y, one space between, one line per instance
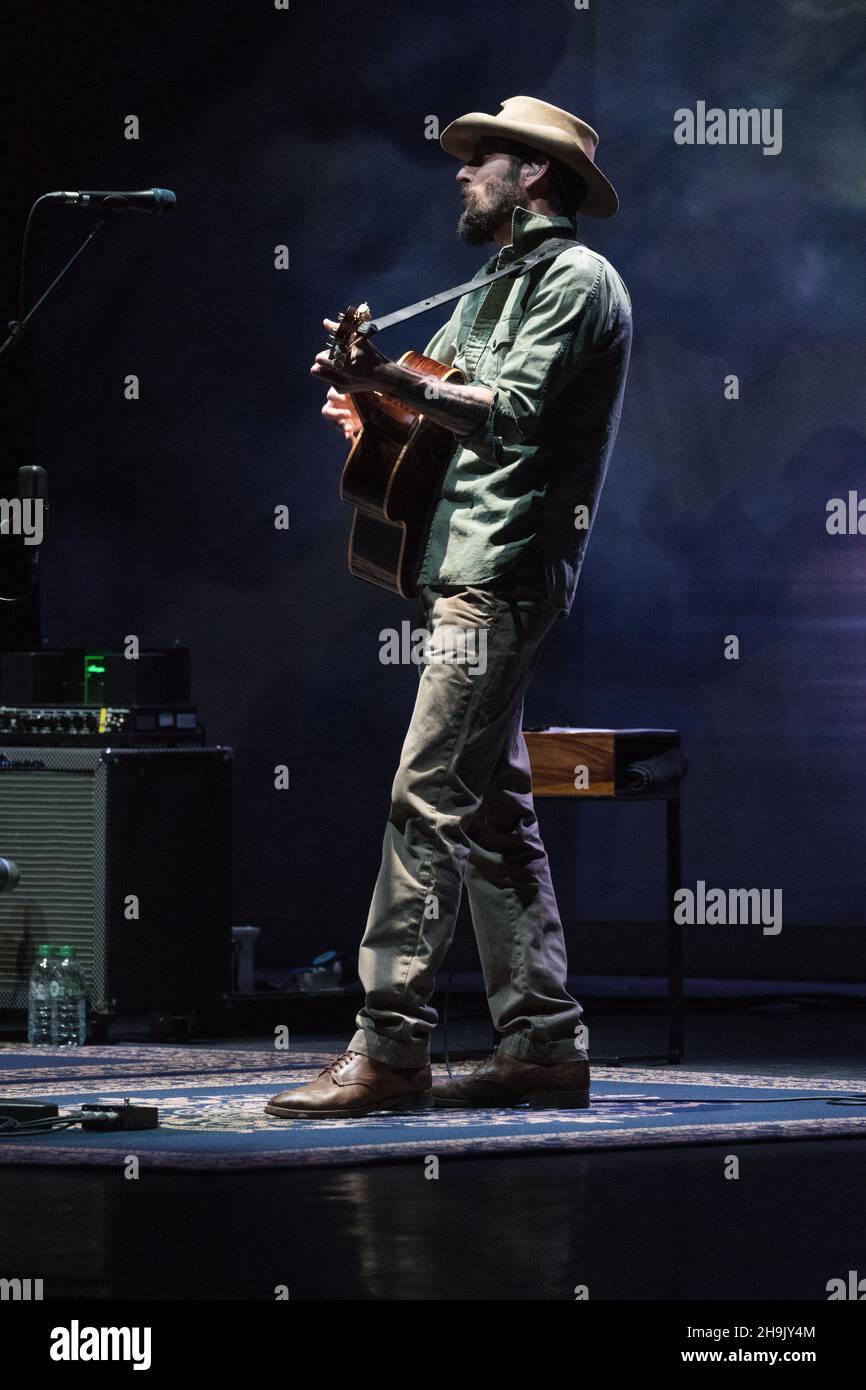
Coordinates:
8 875
33 483
146 200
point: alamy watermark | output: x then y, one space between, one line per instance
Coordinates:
851 1288
21 1290
446 643
729 907
23 516
77 1343
739 125
846 517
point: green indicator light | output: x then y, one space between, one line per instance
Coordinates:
94 670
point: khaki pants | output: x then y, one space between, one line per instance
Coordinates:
462 812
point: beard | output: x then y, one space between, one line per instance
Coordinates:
487 208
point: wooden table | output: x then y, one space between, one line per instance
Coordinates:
592 764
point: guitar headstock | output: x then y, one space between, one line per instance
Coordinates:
342 338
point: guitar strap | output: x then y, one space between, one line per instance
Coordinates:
545 252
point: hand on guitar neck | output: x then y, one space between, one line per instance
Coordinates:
354 368
340 408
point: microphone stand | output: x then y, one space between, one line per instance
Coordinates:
16 327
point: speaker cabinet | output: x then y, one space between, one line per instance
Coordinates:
124 854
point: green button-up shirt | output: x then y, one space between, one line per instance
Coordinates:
521 491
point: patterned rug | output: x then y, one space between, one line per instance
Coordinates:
211 1112
136 1059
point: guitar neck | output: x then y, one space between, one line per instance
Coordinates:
363 402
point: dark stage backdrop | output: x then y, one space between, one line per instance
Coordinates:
307 126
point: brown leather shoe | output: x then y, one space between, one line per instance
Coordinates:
354 1084
504 1080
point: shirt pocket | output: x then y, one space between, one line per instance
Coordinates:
497 349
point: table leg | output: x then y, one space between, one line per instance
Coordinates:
675 932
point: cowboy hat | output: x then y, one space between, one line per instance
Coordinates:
545 128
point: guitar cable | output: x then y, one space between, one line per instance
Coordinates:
445 1022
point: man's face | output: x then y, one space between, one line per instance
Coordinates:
491 189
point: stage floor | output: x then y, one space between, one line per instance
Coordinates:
643 1224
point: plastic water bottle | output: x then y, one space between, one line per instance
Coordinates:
40 1003
70 996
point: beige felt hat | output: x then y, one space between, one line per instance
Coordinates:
546 128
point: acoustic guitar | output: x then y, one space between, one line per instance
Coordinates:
393 475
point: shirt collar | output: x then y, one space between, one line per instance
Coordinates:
527 230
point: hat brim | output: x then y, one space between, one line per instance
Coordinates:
462 135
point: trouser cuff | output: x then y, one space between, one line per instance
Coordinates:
543 1053
396 1054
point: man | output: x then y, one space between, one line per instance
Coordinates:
544 355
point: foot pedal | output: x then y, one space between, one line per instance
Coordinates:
23 1110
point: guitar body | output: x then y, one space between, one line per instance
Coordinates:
393 480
